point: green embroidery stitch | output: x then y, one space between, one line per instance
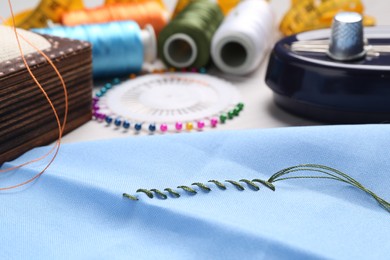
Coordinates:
147 192
130 196
219 184
202 186
160 194
188 189
172 192
325 171
251 184
237 184
265 183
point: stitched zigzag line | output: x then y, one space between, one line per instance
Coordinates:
297 172
151 193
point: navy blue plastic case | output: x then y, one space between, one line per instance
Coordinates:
313 85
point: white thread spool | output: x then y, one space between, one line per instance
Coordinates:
243 39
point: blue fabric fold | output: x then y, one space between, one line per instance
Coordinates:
76 209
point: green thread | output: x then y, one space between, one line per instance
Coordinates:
159 193
265 183
250 184
219 184
332 174
236 184
147 192
199 20
202 186
327 173
172 192
130 196
188 189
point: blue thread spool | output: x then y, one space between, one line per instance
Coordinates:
118 48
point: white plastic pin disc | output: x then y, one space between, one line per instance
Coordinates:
170 97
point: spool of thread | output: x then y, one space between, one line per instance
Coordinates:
244 38
110 2
118 48
186 40
143 12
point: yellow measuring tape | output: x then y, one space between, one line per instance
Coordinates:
45 11
305 15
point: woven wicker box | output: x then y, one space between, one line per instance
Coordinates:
26 118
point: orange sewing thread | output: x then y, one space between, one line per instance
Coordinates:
149 12
110 2
60 127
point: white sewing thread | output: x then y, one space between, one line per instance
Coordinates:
244 38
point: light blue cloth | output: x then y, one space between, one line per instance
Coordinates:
76 209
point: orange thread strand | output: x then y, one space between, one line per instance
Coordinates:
66 106
149 12
61 128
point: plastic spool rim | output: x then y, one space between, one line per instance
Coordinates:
149 41
186 40
219 60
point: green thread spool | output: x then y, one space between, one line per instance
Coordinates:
186 41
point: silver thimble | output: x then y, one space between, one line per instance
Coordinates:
346 40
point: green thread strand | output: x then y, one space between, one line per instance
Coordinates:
130 196
284 174
160 193
236 184
265 183
202 186
147 192
199 20
172 192
219 184
188 189
333 174
250 184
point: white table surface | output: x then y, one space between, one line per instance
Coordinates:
259 112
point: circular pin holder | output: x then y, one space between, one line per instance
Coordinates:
168 102
308 83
